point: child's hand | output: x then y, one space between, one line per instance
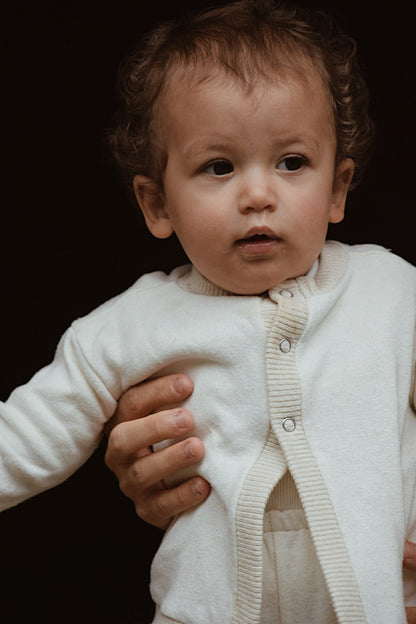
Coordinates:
138 424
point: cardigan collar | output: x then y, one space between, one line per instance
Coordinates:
326 272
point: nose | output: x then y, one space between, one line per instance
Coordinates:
256 193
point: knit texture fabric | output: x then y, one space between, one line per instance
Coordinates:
317 380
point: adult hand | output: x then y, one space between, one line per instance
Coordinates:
139 422
409 562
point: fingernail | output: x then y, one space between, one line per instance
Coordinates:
189 450
178 385
180 419
196 489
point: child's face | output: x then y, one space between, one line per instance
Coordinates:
250 183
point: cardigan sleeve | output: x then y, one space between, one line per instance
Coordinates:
51 425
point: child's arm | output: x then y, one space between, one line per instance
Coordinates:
51 425
135 428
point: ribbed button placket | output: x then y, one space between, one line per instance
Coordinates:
285 345
289 424
286 404
288 326
288 290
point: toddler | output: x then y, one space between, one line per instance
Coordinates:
242 131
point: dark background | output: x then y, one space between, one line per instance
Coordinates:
70 239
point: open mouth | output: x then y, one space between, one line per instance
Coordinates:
257 243
257 238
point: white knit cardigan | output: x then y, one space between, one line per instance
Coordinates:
331 384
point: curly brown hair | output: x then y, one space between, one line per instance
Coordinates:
244 39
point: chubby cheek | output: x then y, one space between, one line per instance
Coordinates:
314 220
194 236
195 223
313 210
205 249
309 237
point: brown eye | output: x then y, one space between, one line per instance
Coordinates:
219 168
291 163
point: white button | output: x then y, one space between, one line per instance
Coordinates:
286 293
284 345
289 424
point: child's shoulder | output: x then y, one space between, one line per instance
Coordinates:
382 267
147 289
156 280
372 254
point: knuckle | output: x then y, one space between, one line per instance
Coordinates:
132 483
162 506
183 501
109 460
124 485
132 480
116 442
147 514
150 396
137 475
156 424
175 457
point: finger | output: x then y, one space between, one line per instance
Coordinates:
165 504
150 470
409 556
151 396
132 438
411 615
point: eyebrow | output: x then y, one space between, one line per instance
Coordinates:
201 147
294 139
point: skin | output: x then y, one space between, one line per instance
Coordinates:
258 171
133 430
409 562
139 422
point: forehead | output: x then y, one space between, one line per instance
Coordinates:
190 74
189 90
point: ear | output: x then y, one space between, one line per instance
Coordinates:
152 205
342 179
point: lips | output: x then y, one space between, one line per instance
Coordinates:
258 241
257 238
258 235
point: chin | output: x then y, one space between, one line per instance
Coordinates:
257 288
250 282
